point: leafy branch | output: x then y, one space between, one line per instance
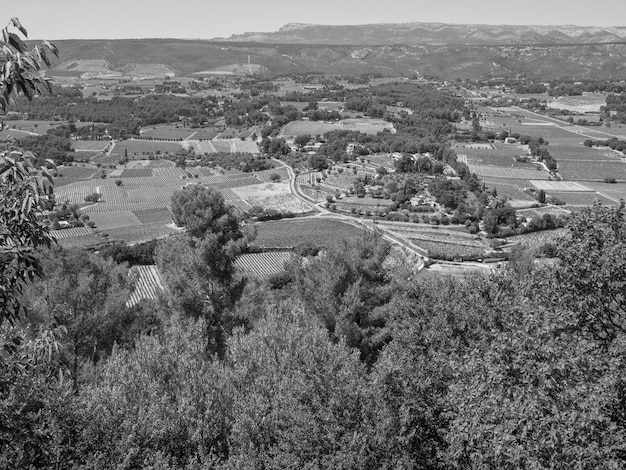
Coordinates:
20 70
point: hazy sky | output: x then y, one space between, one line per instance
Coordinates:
64 19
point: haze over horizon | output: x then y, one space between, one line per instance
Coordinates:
116 19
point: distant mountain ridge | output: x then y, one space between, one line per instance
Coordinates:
437 50
440 34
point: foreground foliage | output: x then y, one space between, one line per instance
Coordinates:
373 372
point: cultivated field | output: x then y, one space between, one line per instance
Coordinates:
35 127
581 199
314 128
141 147
225 145
204 134
234 200
167 132
582 171
70 232
567 151
148 284
504 172
555 211
263 265
563 186
616 191
141 233
510 187
289 233
90 145
111 220
154 215
76 172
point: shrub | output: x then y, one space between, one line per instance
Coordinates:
118 182
274 177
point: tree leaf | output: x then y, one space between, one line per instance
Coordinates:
18 25
51 47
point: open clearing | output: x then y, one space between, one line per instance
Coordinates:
586 103
261 190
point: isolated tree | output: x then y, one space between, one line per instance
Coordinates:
24 190
203 210
302 140
200 266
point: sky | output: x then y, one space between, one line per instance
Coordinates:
206 19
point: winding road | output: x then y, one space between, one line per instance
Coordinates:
322 212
